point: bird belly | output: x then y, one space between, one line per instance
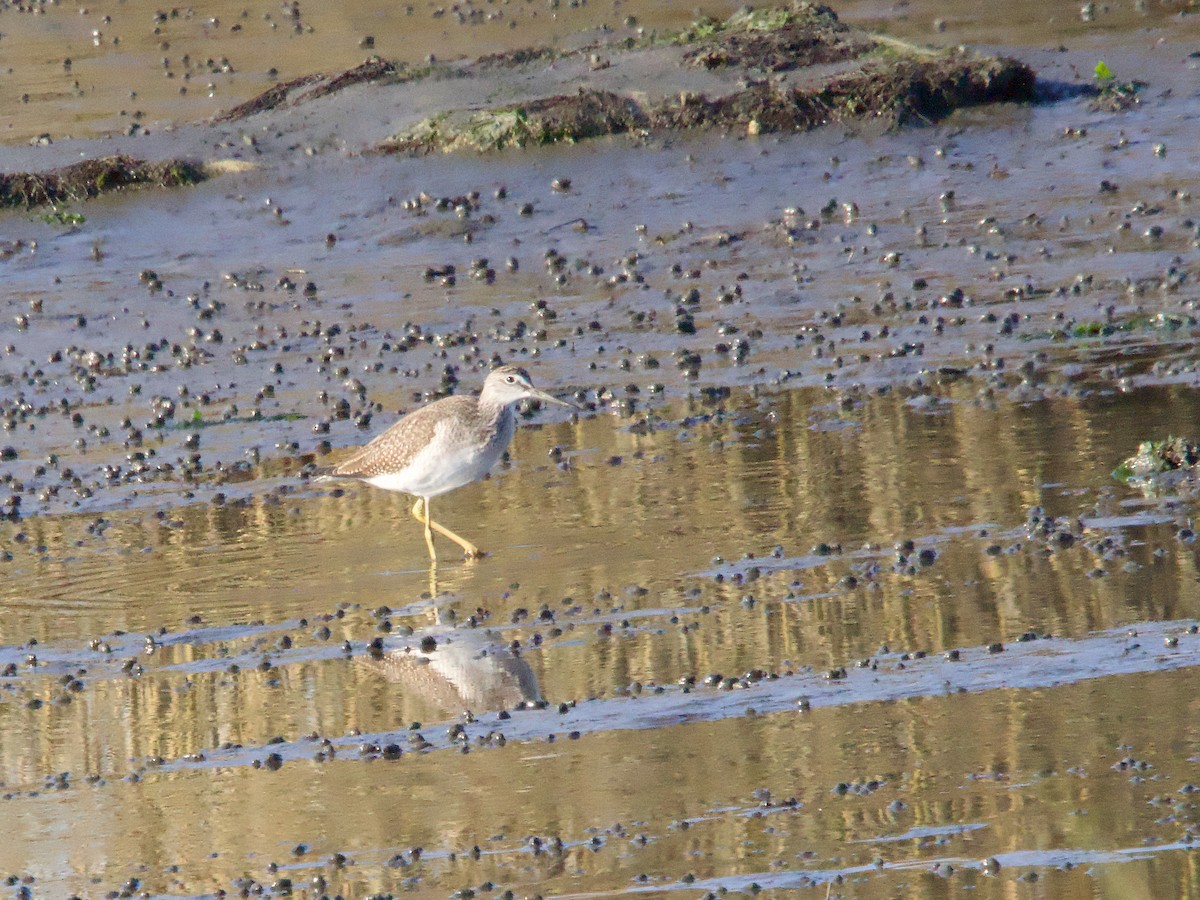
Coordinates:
438 470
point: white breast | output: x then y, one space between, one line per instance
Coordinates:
447 462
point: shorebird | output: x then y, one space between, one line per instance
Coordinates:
445 445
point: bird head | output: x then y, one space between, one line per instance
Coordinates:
511 384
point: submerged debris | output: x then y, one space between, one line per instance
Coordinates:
92 177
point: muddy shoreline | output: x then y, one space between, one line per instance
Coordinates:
820 72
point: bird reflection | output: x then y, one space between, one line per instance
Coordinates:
467 670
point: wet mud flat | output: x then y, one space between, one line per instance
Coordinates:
830 588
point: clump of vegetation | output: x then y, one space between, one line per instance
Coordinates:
776 39
901 91
311 87
92 177
1156 458
549 120
272 97
748 20
1113 95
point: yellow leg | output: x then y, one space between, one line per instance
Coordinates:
424 520
471 551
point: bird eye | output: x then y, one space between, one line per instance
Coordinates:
511 379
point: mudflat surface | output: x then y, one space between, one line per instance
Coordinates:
829 589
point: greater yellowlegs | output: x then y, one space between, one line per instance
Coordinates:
445 445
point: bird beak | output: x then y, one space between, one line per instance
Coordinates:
535 394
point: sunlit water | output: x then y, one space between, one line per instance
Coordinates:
622 558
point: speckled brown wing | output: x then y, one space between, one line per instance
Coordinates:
395 448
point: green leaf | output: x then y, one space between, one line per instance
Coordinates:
60 215
1103 72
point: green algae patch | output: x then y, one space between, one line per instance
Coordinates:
1157 458
92 177
550 120
1092 328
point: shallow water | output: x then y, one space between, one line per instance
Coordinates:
618 618
862 613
